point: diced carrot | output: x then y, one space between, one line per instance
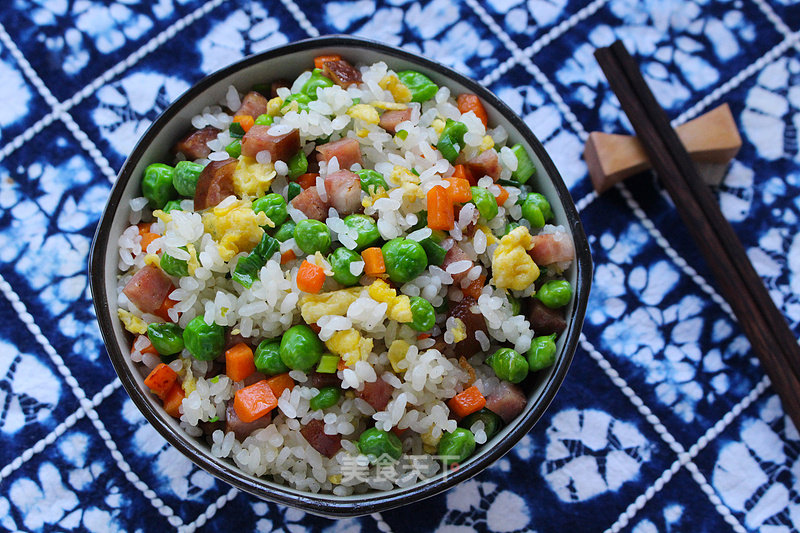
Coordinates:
320 61
463 172
469 102
503 196
440 209
161 379
254 401
146 234
422 336
149 348
475 287
239 362
373 260
173 400
163 311
310 278
459 190
309 179
315 328
280 383
245 121
287 256
467 402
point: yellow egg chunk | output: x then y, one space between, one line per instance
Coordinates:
459 331
399 91
132 323
400 309
402 175
490 238
315 306
380 291
235 228
486 143
274 106
364 112
252 178
350 346
512 267
389 106
192 263
438 125
397 352
152 260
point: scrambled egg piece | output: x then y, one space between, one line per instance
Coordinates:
459 331
152 259
363 132
274 106
512 267
364 112
162 216
369 200
389 106
192 263
315 306
350 346
490 238
486 143
429 442
235 228
397 352
399 91
401 175
336 479
438 125
252 178
132 323
399 307
189 382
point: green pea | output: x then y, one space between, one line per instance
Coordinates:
371 181
327 397
294 190
302 101
542 352
312 236
491 422
376 442
300 348
511 226
366 228
340 261
555 293
421 86
485 202
264 120
455 447
316 81
508 365
267 358
234 149
204 341
536 209
525 167
186 175
157 185
424 316
172 205
285 231
274 206
174 267
166 338
451 140
405 259
298 165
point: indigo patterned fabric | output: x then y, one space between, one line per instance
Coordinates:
666 421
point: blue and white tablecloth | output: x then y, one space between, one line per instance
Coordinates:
666 421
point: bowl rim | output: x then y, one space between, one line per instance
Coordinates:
328 504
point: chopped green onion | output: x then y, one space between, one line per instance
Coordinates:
328 364
234 149
525 167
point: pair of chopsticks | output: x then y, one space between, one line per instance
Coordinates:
765 326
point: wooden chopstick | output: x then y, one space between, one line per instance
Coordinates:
765 326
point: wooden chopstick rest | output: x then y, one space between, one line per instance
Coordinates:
711 139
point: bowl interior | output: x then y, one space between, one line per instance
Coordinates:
287 62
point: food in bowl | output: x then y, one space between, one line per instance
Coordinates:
342 282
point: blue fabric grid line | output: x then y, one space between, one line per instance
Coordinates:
665 422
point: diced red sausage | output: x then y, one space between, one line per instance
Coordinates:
327 445
377 394
243 429
472 322
148 288
214 184
347 151
280 147
341 72
253 104
552 248
195 144
390 119
545 321
506 401
312 206
455 253
485 164
344 191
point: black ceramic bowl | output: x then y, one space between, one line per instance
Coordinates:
286 62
